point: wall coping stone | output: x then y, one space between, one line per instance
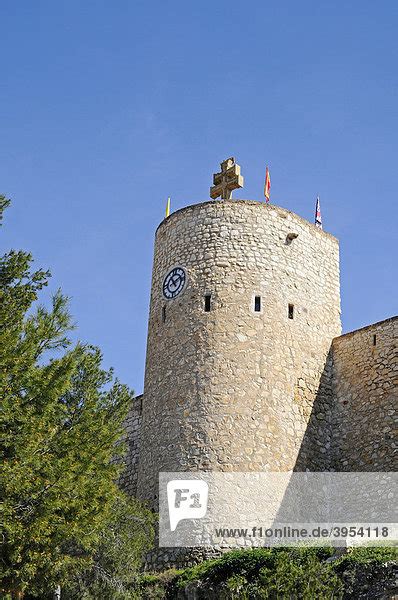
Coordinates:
360 329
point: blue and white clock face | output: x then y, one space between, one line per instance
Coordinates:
174 283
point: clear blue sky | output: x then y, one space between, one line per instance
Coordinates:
106 108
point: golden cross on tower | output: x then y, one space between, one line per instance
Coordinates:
227 180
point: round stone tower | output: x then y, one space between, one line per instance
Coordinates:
245 302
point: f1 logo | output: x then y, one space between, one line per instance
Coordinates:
187 499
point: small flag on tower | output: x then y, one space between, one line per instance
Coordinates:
267 186
168 208
318 217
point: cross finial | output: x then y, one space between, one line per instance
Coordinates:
227 180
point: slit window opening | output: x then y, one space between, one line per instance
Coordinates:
207 302
374 340
257 303
291 311
164 314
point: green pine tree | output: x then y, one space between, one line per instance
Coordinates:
61 423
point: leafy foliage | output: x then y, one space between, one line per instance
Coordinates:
60 422
157 586
300 575
4 202
248 563
366 555
268 573
369 568
113 572
272 574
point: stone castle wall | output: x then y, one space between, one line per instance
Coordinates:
129 476
234 389
365 390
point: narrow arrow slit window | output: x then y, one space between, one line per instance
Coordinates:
257 303
207 302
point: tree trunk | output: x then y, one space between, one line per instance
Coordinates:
57 593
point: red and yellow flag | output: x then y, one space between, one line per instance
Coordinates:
267 186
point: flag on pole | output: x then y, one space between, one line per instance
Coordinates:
267 186
318 217
168 208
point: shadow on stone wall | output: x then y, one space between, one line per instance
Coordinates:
316 451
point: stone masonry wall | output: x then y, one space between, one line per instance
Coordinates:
128 478
365 386
233 389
